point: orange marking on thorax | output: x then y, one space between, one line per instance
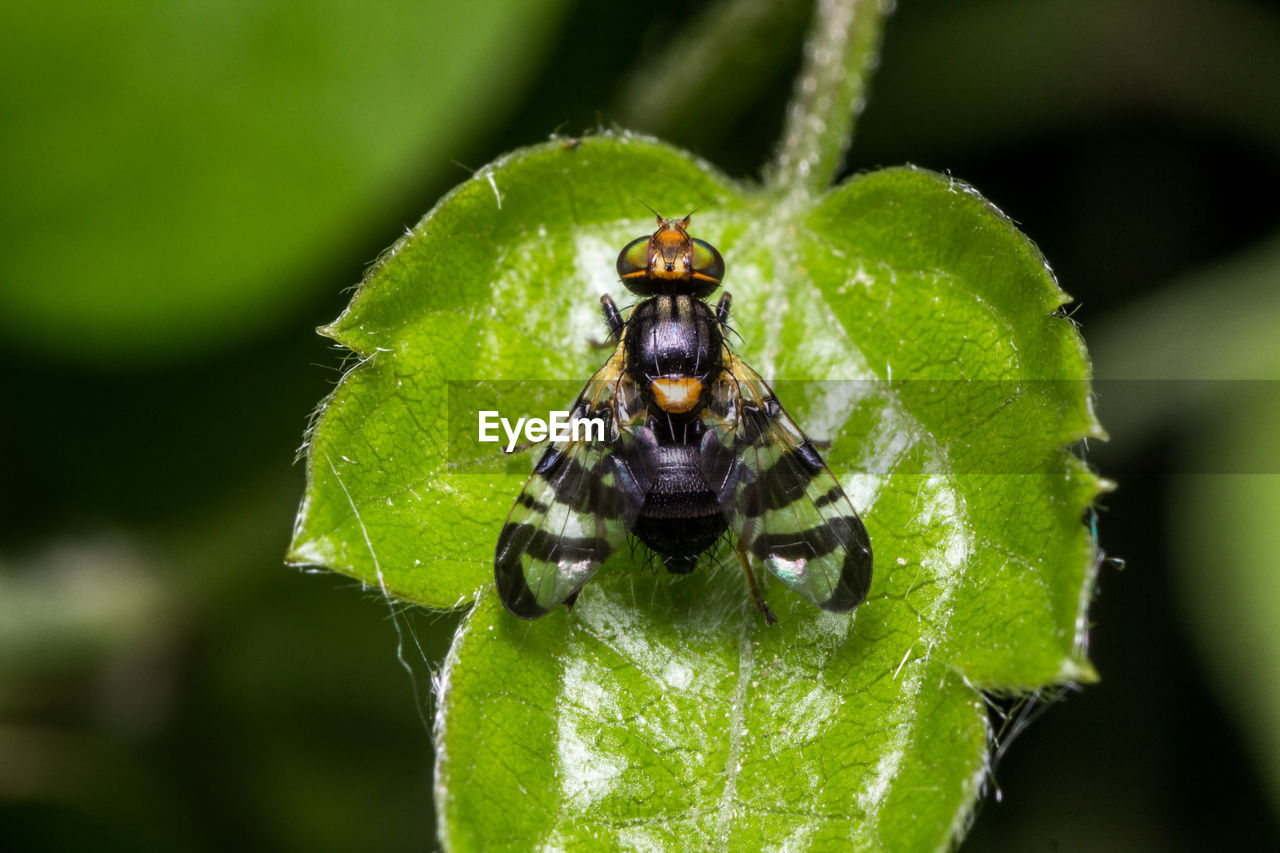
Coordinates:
677 396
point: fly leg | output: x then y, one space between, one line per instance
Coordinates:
722 308
612 317
769 618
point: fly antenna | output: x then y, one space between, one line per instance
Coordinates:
650 209
705 204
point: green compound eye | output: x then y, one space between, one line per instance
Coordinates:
707 263
633 261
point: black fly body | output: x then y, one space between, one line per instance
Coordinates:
697 447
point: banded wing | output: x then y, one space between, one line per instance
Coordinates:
780 499
576 508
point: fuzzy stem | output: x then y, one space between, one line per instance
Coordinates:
839 52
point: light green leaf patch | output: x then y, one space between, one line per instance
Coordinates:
907 326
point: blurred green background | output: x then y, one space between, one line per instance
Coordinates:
188 189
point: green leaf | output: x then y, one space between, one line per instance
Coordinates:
173 172
906 322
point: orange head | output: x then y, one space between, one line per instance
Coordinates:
670 261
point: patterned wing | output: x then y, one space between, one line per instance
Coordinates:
778 496
576 508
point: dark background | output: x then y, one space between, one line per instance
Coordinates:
166 683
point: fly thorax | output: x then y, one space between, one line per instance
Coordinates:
674 347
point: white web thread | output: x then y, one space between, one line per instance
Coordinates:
391 603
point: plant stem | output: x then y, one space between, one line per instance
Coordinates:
840 50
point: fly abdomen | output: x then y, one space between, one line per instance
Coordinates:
681 516
678 490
